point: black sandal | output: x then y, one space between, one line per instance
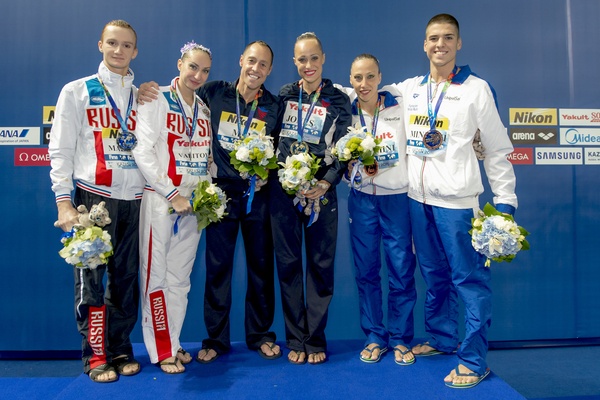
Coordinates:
121 362
94 373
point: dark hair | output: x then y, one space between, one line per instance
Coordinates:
121 24
262 43
444 19
366 56
310 35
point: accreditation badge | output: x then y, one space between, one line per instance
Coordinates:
433 139
126 140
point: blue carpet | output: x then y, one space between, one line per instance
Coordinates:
242 374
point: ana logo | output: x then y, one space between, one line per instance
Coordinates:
97 100
546 136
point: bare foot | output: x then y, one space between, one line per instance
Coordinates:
403 355
297 357
425 350
207 355
464 377
372 353
270 349
172 365
317 358
103 374
184 356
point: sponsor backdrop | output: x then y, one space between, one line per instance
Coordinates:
537 55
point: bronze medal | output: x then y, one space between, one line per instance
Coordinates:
371 170
433 140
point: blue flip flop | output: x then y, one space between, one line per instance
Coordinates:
402 354
372 360
433 352
470 384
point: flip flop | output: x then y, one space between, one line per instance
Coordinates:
467 385
402 354
94 373
201 361
120 363
172 363
298 353
271 346
433 352
317 362
183 353
372 360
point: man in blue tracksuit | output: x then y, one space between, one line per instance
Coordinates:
443 112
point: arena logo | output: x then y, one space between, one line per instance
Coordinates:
521 156
20 136
523 135
533 116
580 136
579 117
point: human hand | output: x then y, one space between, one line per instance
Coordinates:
317 190
181 205
147 92
67 216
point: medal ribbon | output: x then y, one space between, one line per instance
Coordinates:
432 113
315 98
252 188
375 116
115 108
188 129
250 115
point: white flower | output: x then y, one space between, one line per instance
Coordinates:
243 154
210 189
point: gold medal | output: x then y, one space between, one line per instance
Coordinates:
299 148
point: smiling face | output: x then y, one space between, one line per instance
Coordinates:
365 78
256 64
118 47
309 59
442 42
194 67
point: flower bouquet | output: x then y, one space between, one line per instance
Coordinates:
208 202
254 155
86 247
357 144
297 176
298 172
497 236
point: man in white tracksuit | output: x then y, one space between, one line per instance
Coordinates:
94 125
443 112
173 151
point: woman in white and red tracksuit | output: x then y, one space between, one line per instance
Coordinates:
84 152
328 121
174 144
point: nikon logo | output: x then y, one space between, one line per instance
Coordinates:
533 116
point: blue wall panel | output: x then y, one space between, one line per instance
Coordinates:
536 54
